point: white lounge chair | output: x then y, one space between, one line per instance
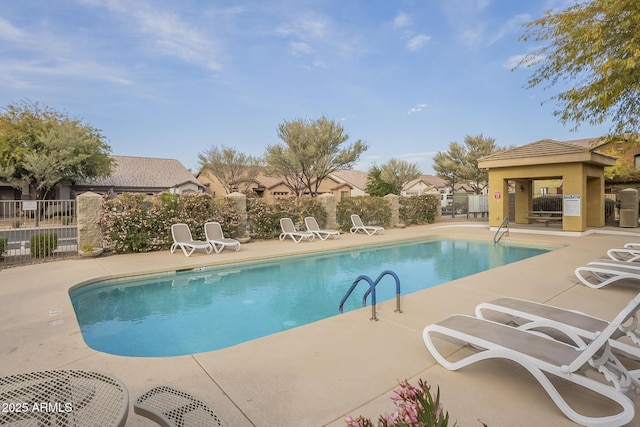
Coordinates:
215 237
546 358
600 273
534 315
358 225
289 230
182 239
624 254
312 226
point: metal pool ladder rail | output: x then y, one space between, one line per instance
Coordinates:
372 291
505 223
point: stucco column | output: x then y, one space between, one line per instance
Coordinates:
240 201
328 202
394 202
87 214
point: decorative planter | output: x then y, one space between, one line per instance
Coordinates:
243 239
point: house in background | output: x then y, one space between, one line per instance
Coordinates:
425 184
146 175
343 183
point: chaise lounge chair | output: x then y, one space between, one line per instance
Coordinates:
546 358
182 239
624 254
358 225
215 237
312 226
535 315
289 230
600 273
175 408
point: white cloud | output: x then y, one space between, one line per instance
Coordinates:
512 25
300 47
417 108
164 31
402 20
416 42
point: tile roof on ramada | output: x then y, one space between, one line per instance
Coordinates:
144 172
545 147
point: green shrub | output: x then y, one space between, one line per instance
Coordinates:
4 244
43 244
264 218
548 203
419 209
373 210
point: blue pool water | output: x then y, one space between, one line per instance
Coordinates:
197 311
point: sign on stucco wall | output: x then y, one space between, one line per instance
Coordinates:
571 205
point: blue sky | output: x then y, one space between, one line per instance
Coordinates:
172 78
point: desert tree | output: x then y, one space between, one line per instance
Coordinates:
312 150
460 163
235 170
592 48
397 173
41 147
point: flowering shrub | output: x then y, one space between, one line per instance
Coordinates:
373 210
415 407
265 217
419 209
140 223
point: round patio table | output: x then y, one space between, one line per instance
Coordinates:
63 398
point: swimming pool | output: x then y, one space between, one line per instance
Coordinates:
202 310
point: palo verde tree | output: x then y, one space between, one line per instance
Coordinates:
41 147
235 170
594 48
396 173
312 150
460 163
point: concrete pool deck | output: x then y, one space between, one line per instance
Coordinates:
315 374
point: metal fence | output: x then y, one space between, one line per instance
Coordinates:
36 230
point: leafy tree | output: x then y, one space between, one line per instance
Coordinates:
624 169
41 147
311 152
397 173
376 186
235 170
460 163
592 46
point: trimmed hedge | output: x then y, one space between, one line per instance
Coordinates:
43 244
372 210
419 209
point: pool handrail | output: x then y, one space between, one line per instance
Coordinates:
496 239
372 291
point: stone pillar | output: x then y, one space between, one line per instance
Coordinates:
628 207
87 214
328 202
394 202
240 201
